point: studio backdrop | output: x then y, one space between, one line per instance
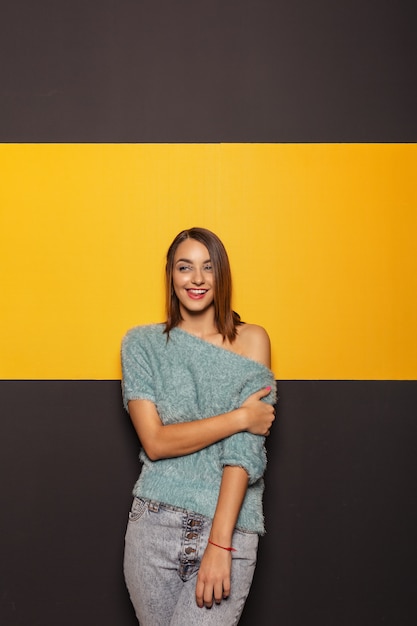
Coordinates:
288 129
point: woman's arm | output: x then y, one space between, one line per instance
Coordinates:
166 441
213 579
254 416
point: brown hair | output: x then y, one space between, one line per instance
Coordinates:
225 318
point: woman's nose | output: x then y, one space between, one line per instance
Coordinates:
198 278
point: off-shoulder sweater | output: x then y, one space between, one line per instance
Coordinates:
188 378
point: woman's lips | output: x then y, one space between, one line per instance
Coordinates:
196 294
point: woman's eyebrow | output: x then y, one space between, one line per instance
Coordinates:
189 261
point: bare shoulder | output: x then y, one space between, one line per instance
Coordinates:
254 343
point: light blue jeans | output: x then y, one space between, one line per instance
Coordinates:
163 550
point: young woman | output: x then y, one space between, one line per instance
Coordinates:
200 394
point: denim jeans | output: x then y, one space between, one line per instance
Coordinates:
163 550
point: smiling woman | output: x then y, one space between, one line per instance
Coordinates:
200 395
192 279
211 265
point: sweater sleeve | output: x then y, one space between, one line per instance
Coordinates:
137 378
244 449
247 451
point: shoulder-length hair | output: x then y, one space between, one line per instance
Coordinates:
225 318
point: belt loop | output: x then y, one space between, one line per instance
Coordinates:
153 506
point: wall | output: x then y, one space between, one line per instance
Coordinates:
287 128
320 237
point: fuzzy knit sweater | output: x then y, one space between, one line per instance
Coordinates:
188 379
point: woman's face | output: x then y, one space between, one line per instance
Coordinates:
192 276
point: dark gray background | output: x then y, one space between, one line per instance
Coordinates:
208 71
340 505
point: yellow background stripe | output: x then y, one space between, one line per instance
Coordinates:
321 239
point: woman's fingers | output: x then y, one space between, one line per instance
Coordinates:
206 593
199 593
262 393
226 588
218 593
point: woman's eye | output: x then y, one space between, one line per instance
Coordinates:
208 267
183 268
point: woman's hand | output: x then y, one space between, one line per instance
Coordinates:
259 415
166 441
213 580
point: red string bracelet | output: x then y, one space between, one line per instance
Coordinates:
222 547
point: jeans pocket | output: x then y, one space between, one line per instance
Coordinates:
137 509
245 533
246 543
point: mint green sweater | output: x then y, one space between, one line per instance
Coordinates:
188 379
